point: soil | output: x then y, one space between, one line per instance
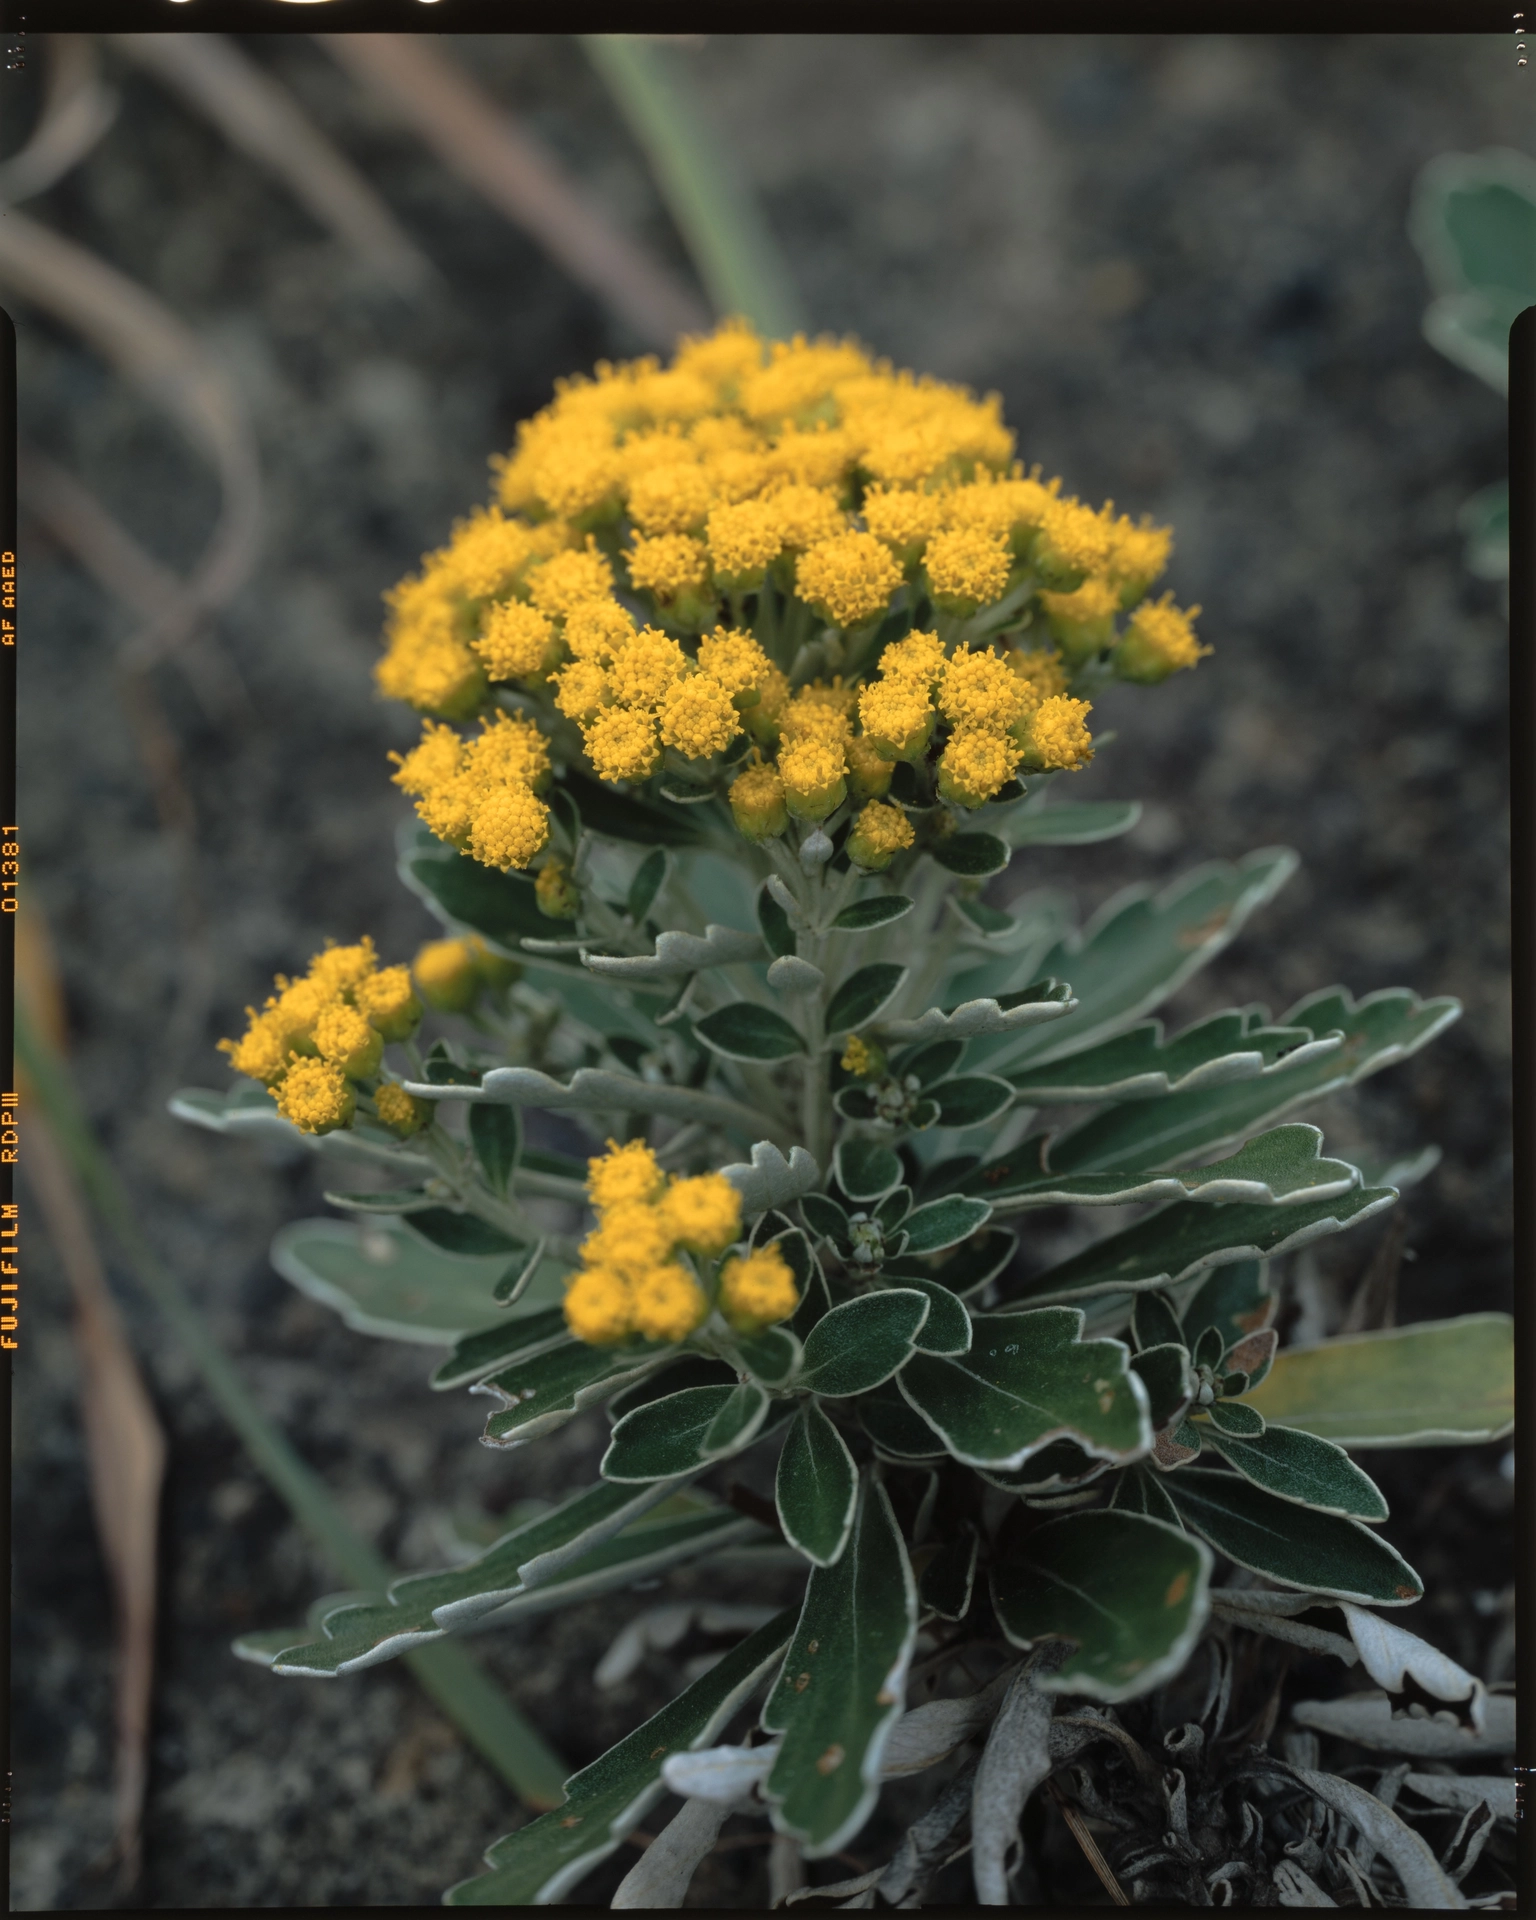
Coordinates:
1183 263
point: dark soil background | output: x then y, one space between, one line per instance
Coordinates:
1183 263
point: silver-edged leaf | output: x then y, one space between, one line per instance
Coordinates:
1297 1466
1142 1065
862 1342
863 994
681 953
684 1432
746 1031
864 916
816 1487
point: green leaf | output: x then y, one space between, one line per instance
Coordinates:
1135 952
496 1133
862 1342
816 1488
865 915
1003 1012
1029 1379
803 1264
1294 1546
1179 1241
544 1392
1164 1372
392 1200
778 934
975 856
1235 1300
898 1433
628 816
1380 1030
518 1276
972 1101
892 1210
542 1861
865 1169
686 1370
684 1432
1129 1592
931 1063
1297 1466
745 1031
1076 824
1141 1065
863 994
1154 1322
461 1233
602 1538
947 1329
1139 1491
1278 1168
772 1356
1447 1381
479 1354
646 884
676 954
1058 1468
825 1218
386 1282
945 1223
843 1684
1231 1417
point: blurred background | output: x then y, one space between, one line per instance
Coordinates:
279 299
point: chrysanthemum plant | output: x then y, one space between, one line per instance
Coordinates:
760 669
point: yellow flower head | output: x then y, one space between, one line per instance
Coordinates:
511 825
670 499
764 719
263 1052
723 358
515 640
630 1172
599 1307
976 763
449 810
869 770
757 802
904 518
447 974
337 970
1159 641
646 669
566 580
580 686
669 566
596 629
744 540
916 656
699 717
509 749
967 568
812 771
668 1303
436 760
402 1112
806 516
1140 554
387 1000
622 744
1041 672
1057 737
344 1037
316 1097
897 716
818 457
1083 621
1074 541
862 1058
703 1214
978 690
849 579
555 891
758 1289
735 660
630 1237
879 834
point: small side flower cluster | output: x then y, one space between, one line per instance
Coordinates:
655 1237
320 1039
675 551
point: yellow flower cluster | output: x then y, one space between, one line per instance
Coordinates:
451 974
481 794
805 463
634 1281
318 1036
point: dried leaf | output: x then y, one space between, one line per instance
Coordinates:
1465 1790
1296 1888
1016 1759
1368 1720
1392 1657
660 1877
1406 1852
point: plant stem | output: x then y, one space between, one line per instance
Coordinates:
450 1675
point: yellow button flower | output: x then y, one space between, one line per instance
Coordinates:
757 1290
848 579
1159 641
598 1307
967 568
667 1303
879 834
976 763
316 1097
1056 737
511 825
387 1000
514 641
402 1112
699 717
622 744
703 1214
628 1172
812 771
757 803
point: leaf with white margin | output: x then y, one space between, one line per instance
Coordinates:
596 1089
1142 1065
680 953
245 1111
843 1684
1003 1013
1436 1380
1392 1657
1282 1167
540 1862
771 1180
1369 1721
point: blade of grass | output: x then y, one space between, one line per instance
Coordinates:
449 1674
720 221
